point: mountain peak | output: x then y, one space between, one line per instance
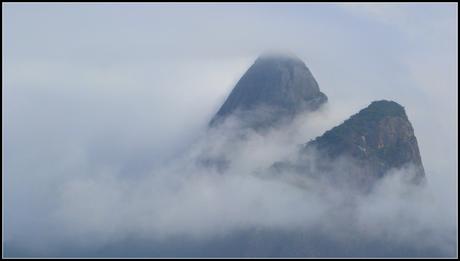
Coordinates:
275 88
379 137
384 108
278 56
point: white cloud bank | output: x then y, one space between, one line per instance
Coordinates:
104 117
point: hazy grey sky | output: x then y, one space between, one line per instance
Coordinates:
94 93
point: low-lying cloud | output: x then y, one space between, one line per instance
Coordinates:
105 141
181 198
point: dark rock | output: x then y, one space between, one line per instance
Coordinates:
361 150
377 139
273 90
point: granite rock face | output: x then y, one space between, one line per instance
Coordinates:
272 91
377 139
361 150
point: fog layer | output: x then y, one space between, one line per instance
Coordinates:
105 112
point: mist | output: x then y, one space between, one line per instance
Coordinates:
105 113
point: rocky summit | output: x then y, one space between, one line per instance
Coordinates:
273 90
361 150
377 139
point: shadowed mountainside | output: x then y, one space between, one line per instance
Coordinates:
362 149
272 91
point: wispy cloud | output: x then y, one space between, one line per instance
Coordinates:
105 109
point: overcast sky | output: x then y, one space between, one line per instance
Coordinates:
121 88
